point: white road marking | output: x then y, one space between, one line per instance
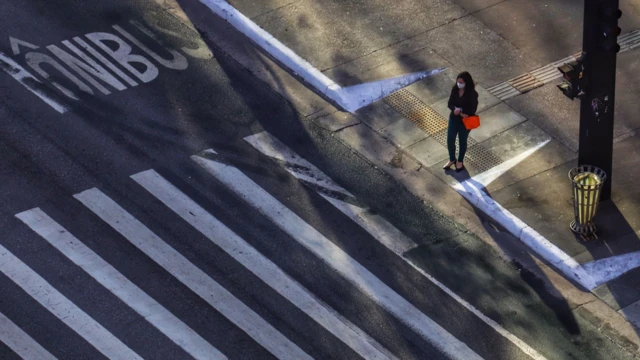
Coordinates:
102 59
384 232
124 56
190 275
63 308
492 174
350 99
16 43
35 60
607 269
201 52
87 67
30 82
270 146
589 275
260 266
119 285
335 257
473 191
381 230
20 342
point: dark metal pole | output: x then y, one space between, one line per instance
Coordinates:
597 105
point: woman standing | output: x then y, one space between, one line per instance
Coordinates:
463 102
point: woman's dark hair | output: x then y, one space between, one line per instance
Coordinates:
468 80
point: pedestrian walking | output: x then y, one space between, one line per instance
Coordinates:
463 103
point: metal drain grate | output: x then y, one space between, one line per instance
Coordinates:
435 125
481 158
526 82
415 110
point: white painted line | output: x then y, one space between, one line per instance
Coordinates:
386 233
20 342
119 285
39 289
607 269
29 81
274 148
473 192
190 275
492 174
100 57
350 99
260 266
381 230
16 43
335 257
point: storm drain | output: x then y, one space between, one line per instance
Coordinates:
427 119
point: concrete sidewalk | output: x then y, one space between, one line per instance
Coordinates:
522 114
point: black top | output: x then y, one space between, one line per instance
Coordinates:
468 102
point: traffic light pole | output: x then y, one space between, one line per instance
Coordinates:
597 105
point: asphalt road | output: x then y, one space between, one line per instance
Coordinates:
101 264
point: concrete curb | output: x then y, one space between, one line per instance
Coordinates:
523 232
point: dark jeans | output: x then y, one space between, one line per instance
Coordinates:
456 128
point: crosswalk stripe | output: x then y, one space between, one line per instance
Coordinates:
335 257
20 342
259 265
379 228
119 285
190 275
308 174
304 170
63 308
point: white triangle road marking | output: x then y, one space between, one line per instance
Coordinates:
492 174
607 269
589 275
16 43
349 99
472 190
304 170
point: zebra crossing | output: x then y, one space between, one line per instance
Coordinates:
189 336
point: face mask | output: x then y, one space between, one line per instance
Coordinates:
461 86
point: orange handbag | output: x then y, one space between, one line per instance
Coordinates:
471 122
